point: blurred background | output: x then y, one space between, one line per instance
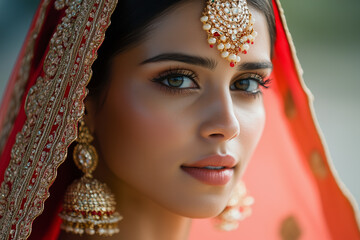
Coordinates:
327 38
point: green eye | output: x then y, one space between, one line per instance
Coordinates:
176 81
179 81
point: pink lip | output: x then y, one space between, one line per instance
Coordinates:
212 176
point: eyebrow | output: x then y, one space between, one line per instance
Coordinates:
254 65
204 62
178 57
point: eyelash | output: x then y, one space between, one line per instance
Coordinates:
259 78
177 72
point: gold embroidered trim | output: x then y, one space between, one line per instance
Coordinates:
21 79
53 107
343 188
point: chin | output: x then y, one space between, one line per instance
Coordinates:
209 212
207 207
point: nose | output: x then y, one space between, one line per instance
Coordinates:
220 121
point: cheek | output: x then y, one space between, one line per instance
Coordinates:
144 138
252 122
138 132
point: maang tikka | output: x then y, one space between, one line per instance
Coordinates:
89 205
229 24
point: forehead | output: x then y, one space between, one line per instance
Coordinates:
180 30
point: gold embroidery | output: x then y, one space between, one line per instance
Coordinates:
64 35
317 165
21 79
53 107
290 229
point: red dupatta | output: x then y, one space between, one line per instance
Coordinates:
297 194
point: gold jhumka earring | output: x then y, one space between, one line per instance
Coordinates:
89 205
229 24
237 209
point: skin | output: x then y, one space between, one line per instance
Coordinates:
144 134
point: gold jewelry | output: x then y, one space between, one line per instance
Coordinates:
229 24
89 205
238 208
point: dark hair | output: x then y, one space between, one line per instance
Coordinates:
129 24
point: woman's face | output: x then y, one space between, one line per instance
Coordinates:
172 101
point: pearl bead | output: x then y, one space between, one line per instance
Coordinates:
212 40
234 215
204 18
232 57
90 231
229 226
246 46
227 45
224 54
220 46
235 11
101 231
206 27
238 58
223 38
254 33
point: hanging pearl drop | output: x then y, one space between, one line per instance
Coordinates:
212 41
232 57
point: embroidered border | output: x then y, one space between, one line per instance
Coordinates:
53 107
22 78
346 193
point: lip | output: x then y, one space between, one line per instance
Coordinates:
214 177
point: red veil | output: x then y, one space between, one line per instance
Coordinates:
298 195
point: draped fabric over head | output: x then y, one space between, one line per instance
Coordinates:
291 177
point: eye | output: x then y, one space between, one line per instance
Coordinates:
178 81
248 85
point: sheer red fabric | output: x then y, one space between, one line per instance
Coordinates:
297 195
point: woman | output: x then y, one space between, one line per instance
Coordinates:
174 123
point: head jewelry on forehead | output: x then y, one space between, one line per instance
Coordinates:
229 25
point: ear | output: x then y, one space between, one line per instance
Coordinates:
90 113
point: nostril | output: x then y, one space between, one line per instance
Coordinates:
216 135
